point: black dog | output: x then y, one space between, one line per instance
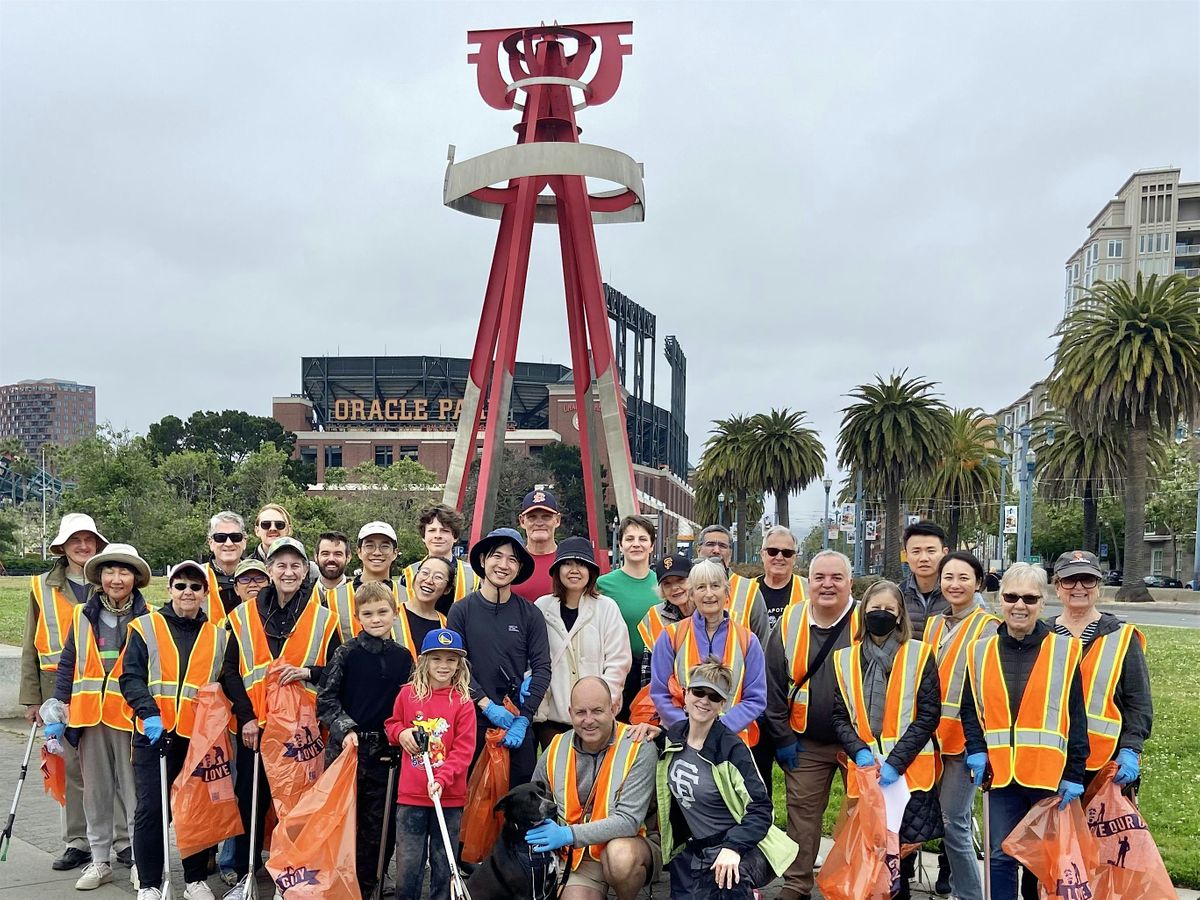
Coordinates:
513 870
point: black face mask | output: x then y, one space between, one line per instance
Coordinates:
880 622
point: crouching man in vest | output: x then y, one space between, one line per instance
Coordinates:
285 621
171 653
603 781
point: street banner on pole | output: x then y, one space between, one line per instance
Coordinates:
871 530
1010 519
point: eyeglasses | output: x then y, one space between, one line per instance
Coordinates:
235 536
269 525
435 577
1027 599
706 694
372 547
252 579
776 551
720 545
1085 581
187 586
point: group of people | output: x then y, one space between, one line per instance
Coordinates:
652 701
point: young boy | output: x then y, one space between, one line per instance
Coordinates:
358 694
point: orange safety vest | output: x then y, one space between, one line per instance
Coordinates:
1101 669
651 626
743 590
795 628
899 710
176 697
96 697
213 605
951 649
687 657
53 621
343 605
465 579
1031 751
305 646
606 790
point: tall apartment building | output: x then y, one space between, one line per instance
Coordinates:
1152 226
47 411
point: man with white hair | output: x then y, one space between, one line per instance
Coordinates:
227 545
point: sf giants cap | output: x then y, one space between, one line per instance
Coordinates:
669 566
539 499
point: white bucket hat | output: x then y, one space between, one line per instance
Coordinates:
73 523
126 555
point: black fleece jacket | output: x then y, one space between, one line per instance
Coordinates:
134 674
916 735
1016 662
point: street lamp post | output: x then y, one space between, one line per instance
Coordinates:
827 483
1022 490
44 486
1030 463
860 527
721 508
1000 527
616 523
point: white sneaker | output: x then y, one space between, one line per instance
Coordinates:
198 890
94 875
149 894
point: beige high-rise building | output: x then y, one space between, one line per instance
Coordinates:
1152 226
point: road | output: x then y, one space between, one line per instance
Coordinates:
1174 615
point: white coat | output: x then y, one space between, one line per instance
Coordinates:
597 645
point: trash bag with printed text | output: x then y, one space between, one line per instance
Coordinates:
293 751
1056 846
857 867
481 822
54 776
203 804
313 846
1131 868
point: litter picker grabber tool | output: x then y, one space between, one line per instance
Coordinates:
391 757
251 880
458 887
6 837
987 833
165 793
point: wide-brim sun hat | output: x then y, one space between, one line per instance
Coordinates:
124 554
576 549
486 545
73 523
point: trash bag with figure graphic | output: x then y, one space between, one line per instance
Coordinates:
293 751
203 804
1056 846
1131 868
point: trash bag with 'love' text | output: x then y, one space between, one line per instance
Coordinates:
1056 846
313 847
1131 867
857 867
203 804
293 751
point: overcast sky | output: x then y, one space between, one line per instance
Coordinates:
193 196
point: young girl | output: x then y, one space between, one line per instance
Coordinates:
436 704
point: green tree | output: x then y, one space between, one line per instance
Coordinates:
231 435
784 456
727 465
967 472
1057 528
1173 504
195 477
1129 355
893 434
10 526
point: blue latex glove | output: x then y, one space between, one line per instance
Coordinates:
977 765
1069 790
524 692
153 728
515 736
1129 767
549 836
54 730
788 756
864 758
888 775
498 715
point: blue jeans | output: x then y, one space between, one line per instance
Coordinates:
225 854
417 837
1008 806
956 793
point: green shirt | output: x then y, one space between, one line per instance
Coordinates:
634 597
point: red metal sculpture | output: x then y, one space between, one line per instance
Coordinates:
543 76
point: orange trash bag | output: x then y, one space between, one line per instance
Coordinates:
858 865
203 804
481 822
1056 846
54 776
313 846
293 751
641 710
1131 868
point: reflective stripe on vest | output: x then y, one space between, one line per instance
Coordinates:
213 605
899 711
95 696
742 592
54 621
305 646
176 698
651 627
733 657
1101 669
465 580
951 649
606 790
1032 750
795 628
348 625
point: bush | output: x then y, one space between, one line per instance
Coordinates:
24 565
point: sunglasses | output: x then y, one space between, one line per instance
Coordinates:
268 525
706 694
1027 599
776 551
235 536
1087 581
252 579
187 586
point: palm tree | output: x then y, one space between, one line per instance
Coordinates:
785 455
725 465
893 434
967 474
1129 356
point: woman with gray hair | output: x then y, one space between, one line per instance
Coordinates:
709 631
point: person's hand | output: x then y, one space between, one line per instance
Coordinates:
977 765
864 758
31 715
54 730
788 756
288 674
644 732
1129 767
435 790
524 691
498 715
888 775
1069 790
152 728
350 740
549 836
250 734
515 736
408 742
725 868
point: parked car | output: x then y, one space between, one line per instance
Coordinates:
1113 578
1162 581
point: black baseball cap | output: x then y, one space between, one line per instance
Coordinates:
670 566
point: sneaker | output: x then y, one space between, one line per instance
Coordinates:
198 890
229 877
94 875
149 894
240 891
72 858
125 857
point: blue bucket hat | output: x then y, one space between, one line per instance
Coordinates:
443 639
499 536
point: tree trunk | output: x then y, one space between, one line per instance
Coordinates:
955 522
891 535
782 516
1137 463
1091 523
742 530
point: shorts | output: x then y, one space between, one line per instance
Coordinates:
590 873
